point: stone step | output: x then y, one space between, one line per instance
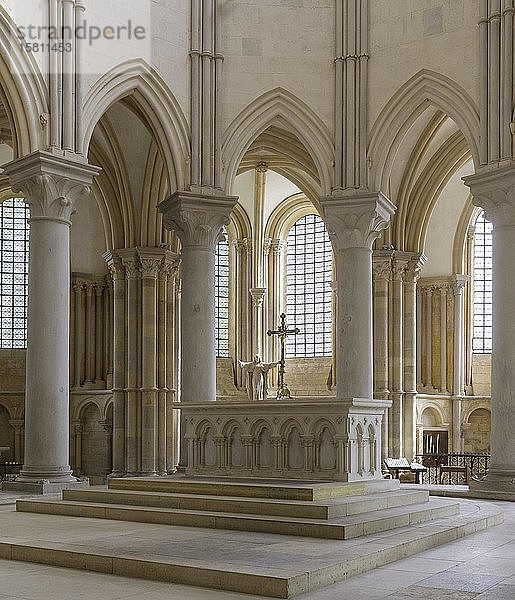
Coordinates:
277 567
328 509
254 488
336 529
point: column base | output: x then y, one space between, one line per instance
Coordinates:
498 483
43 486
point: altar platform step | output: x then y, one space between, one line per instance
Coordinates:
288 507
278 489
261 564
321 509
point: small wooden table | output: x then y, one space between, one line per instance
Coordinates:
453 469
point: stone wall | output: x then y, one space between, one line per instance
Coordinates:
481 374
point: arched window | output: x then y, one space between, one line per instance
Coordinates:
308 288
222 298
482 280
14 271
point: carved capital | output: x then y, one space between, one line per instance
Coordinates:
381 269
150 267
494 191
240 246
356 221
197 219
132 267
399 268
258 295
277 246
458 284
415 264
51 185
114 264
78 285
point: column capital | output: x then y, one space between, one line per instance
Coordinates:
399 267
415 263
114 264
17 424
494 191
381 268
197 219
356 221
458 284
258 295
51 185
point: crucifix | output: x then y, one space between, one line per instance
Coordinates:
282 332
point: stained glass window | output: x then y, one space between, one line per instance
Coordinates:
309 288
14 272
482 295
222 298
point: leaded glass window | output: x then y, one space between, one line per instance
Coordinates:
482 296
14 272
222 298
309 288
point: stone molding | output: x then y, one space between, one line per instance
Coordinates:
356 221
494 191
50 185
197 219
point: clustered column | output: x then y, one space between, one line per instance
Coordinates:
51 186
395 345
90 337
144 306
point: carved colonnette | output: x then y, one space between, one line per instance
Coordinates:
312 438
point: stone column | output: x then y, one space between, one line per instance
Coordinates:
494 191
258 295
51 186
275 299
78 288
17 425
89 333
118 274
150 265
239 309
458 287
198 221
410 354
354 223
396 420
100 342
131 371
382 272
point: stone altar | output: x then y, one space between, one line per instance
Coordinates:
304 438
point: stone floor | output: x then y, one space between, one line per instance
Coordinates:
479 566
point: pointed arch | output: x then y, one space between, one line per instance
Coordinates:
264 112
22 90
157 106
405 106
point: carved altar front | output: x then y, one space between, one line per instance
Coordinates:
308 438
